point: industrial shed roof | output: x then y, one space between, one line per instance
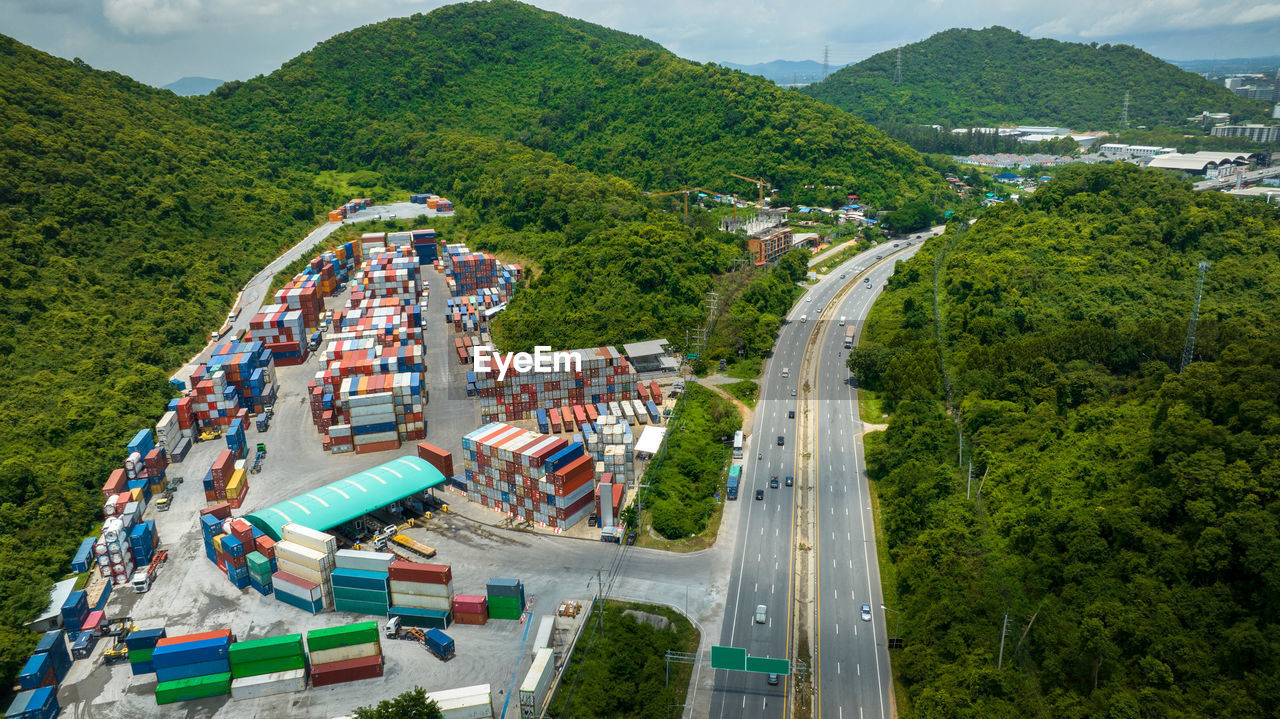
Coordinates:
334 504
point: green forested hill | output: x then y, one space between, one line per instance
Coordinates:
596 98
995 75
1128 517
125 225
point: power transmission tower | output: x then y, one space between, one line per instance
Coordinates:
1003 629
897 69
1190 344
1124 111
826 56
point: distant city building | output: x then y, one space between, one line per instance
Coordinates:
1209 119
1265 93
1257 133
1275 112
1003 160
1233 83
1112 148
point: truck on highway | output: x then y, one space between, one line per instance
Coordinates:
735 478
848 337
414 546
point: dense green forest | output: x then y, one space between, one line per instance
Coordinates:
599 99
126 226
963 77
618 670
1125 511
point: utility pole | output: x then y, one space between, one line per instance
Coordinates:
826 57
1124 111
1189 347
897 69
1003 629
599 597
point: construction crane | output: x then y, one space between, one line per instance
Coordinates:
760 183
675 192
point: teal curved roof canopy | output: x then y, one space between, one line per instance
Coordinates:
335 504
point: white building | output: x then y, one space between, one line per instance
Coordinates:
1257 133
1112 148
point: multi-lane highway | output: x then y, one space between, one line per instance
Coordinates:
851 664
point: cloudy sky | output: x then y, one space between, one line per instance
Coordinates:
158 41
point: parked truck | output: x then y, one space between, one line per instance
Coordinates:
438 643
735 477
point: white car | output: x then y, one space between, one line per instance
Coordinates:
866 612
842 321
808 299
762 614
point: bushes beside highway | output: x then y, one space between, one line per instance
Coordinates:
685 476
1128 513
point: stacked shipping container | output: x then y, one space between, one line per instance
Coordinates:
192 666
605 376
421 594
305 560
360 583
534 476
344 654
466 272
265 667
505 598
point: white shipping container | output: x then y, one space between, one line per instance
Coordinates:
365 561
416 600
534 689
421 589
342 654
303 556
546 626
310 595
265 685
301 571
310 538
465 703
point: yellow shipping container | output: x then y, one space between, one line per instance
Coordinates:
237 483
217 542
136 494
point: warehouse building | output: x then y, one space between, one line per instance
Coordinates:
650 356
1257 133
347 500
1205 164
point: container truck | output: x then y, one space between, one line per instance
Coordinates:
735 477
438 643
848 337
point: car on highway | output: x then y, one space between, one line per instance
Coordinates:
773 679
842 320
808 299
793 393
773 483
759 494
866 612
762 614
781 440
843 274
790 480
791 414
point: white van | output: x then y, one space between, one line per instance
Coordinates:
786 372
842 320
804 318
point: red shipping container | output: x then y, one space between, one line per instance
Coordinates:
474 618
418 572
266 546
187 638
222 510
224 465
117 482
347 671
436 457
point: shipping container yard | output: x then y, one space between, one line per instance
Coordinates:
245 565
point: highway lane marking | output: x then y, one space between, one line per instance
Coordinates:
771 589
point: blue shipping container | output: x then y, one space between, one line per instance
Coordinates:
360 579
204 650
196 669
83 556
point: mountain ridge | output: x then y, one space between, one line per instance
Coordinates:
995 75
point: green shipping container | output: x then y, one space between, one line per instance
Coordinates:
437 622
362 595
270 648
182 690
138 656
504 607
258 564
268 666
345 636
353 606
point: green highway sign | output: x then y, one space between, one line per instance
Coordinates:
765 665
731 658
